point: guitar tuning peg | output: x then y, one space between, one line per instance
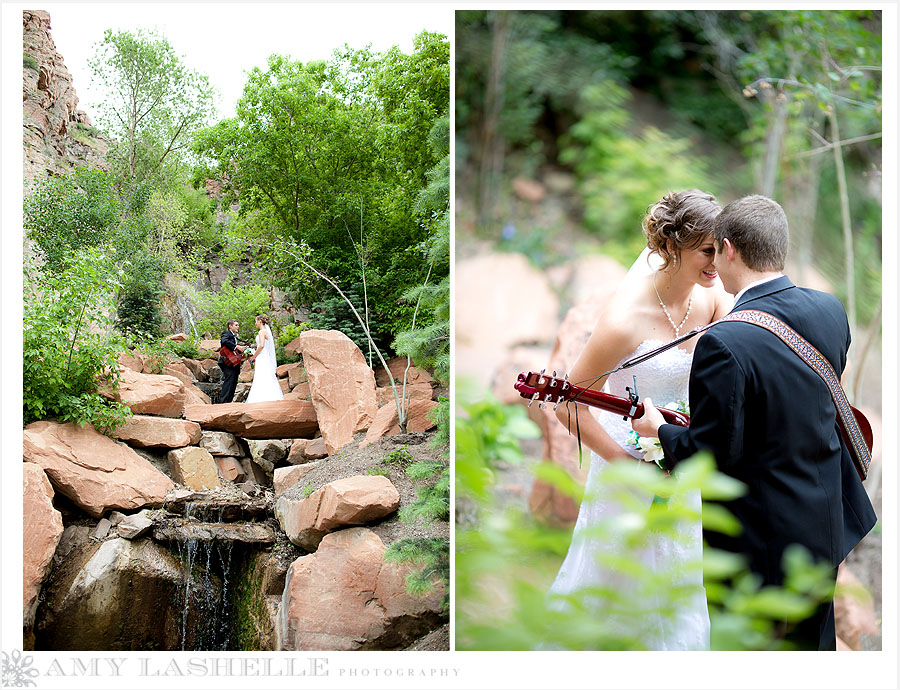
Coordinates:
557 404
542 405
541 379
533 398
554 373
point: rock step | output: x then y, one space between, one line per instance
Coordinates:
213 511
247 533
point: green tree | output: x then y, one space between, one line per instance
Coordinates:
71 212
325 152
153 103
242 302
429 346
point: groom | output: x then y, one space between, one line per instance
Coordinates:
229 374
768 417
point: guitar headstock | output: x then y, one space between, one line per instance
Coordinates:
545 389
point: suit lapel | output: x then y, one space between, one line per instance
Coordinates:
764 290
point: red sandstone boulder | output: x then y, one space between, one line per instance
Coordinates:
178 337
92 470
42 528
293 347
274 419
209 348
230 469
296 377
282 370
195 396
529 190
341 383
315 449
184 377
546 502
208 364
300 392
148 393
415 391
501 301
158 432
305 449
397 368
196 369
285 386
286 477
387 422
352 501
130 361
345 597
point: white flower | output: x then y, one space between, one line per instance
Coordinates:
653 452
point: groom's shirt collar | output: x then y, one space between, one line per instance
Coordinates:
737 297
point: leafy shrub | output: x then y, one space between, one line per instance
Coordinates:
289 333
186 349
158 353
243 303
67 346
29 62
381 471
401 456
71 212
620 173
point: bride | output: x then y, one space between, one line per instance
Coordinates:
672 288
265 382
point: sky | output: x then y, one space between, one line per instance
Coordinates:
226 40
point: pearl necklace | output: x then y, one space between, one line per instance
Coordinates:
666 311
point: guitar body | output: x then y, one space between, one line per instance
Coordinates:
232 358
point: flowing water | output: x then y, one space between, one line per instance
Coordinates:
210 570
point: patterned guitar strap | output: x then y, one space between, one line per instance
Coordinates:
809 354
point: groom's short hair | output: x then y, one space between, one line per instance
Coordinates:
230 321
757 227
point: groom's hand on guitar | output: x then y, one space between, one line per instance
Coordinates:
648 424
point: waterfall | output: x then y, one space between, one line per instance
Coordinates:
209 572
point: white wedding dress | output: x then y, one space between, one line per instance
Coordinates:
663 378
265 382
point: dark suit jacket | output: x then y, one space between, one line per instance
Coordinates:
770 422
229 340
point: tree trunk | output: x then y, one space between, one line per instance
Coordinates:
492 145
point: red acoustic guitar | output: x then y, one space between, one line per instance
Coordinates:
550 389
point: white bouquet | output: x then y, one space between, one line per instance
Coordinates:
649 445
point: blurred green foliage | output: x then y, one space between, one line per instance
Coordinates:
637 103
505 560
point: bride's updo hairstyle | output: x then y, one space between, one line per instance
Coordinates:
264 319
680 220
